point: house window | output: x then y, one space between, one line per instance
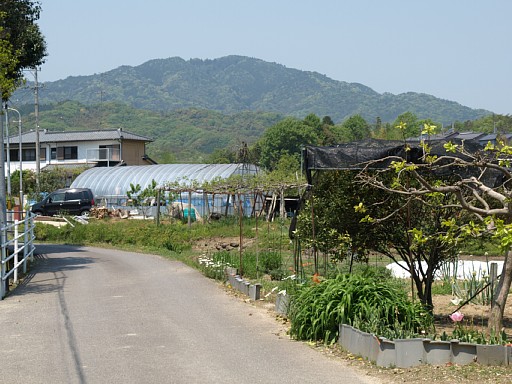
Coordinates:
14 155
29 154
67 153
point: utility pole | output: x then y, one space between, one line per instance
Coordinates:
36 113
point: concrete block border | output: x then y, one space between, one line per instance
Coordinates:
243 286
282 303
405 353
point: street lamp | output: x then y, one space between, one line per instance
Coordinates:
20 155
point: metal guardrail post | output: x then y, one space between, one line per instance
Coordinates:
32 237
3 280
16 249
26 229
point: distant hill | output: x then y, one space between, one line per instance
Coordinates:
184 135
235 84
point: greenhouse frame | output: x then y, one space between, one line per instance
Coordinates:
111 184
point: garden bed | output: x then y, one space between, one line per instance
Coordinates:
406 353
474 315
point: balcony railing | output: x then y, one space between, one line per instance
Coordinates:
103 154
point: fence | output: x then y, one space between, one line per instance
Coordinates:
17 238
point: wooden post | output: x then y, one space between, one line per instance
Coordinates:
227 206
315 257
158 192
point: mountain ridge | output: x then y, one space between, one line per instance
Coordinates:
233 84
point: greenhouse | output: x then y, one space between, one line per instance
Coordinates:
111 184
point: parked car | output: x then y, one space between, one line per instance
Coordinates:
72 201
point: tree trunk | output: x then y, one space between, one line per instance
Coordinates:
500 296
424 290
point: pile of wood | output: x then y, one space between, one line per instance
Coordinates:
103 212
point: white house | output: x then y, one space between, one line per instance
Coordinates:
107 147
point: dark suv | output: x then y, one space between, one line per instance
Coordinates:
72 201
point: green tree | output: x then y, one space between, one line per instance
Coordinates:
287 167
286 137
50 180
222 156
327 121
166 158
8 63
481 188
357 128
378 124
412 127
22 44
344 209
314 122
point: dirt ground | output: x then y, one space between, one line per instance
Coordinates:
475 315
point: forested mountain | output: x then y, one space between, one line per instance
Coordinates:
184 135
234 84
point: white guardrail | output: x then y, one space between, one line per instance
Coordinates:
17 239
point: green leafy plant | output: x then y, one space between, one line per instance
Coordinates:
373 304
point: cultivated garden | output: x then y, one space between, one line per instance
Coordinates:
330 259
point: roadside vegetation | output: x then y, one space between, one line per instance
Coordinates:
368 297
363 294
330 263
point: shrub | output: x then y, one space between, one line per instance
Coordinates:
365 301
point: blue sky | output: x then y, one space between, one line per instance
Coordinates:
453 49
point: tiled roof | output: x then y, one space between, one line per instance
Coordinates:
58 137
448 136
493 136
469 135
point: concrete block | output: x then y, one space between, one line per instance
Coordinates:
245 287
463 353
282 302
437 352
254 291
492 354
386 356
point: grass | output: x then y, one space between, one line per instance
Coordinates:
481 247
175 240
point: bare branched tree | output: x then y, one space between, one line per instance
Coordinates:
479 179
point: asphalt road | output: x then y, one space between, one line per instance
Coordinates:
89 315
